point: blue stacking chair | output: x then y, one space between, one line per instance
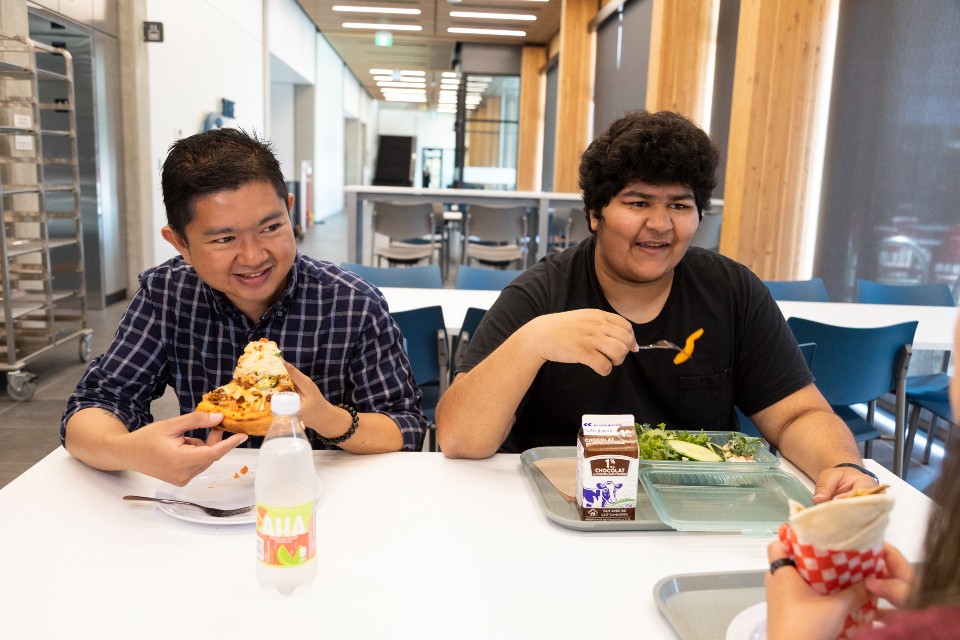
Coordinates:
798 290
927 391
471 321
427 347
860 365
424 277
480 278
807 350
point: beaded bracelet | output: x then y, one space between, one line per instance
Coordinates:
353 427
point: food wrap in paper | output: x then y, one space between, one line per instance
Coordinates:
839 543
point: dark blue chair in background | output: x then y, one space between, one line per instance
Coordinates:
807 350
798 290
471 321
859 365
423 277
480 278
926 391
426 343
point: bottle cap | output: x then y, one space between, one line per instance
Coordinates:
285 403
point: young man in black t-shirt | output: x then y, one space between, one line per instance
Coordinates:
562 339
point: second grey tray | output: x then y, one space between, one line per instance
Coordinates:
565 513
701 606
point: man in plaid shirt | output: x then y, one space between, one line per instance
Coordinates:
239 278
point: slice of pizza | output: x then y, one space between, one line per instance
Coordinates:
245 400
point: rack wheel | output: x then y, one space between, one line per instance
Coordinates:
85 347
20 385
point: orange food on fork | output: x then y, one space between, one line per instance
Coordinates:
687 352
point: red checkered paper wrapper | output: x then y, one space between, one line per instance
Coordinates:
839 543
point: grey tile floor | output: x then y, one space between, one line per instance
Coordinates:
30 430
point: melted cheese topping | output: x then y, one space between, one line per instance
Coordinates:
261 359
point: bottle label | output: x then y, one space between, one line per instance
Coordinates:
286 536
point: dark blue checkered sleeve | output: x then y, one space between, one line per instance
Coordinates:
380 376
130 375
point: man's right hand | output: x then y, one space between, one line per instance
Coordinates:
163 451
595 338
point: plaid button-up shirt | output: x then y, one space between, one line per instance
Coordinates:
178 331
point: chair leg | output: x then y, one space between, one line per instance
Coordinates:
931 434
867 448
912 425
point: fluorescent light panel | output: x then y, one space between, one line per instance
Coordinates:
381 27
487 32
353 9
492 16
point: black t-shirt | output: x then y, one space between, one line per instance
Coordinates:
747 355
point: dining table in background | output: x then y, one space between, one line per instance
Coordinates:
409 545
934 329
540 204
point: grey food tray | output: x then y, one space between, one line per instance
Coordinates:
565 513
700 606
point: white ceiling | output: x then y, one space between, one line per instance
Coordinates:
431 48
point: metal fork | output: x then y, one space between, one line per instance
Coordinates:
661 344
212 511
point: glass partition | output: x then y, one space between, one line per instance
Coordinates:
487 132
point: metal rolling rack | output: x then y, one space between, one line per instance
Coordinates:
42 293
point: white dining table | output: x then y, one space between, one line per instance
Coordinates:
454 302
934 330
409 545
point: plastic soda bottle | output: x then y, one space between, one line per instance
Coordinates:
286 491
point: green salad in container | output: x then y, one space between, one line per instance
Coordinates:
662 444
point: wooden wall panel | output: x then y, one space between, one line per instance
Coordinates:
530 134
681 40
574 91
779 59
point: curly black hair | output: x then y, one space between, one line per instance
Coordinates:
657 148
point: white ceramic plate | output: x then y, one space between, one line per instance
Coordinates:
222 486
750 624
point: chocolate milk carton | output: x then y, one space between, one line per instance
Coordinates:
607 465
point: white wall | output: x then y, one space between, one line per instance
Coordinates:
212 49
328 164
282 127
291 37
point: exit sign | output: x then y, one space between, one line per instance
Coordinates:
383 39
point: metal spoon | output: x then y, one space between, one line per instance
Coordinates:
212 511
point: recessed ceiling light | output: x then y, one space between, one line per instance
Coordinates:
492 16
413 73
449 74
487 32
381 27
400 84
347 8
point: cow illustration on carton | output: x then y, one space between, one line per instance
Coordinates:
607 467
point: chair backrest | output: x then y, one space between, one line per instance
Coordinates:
497 224
572 221
931 295
401 221
424 277
708 233
480 278
471 321
854 365
426 344
800 290
808 350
